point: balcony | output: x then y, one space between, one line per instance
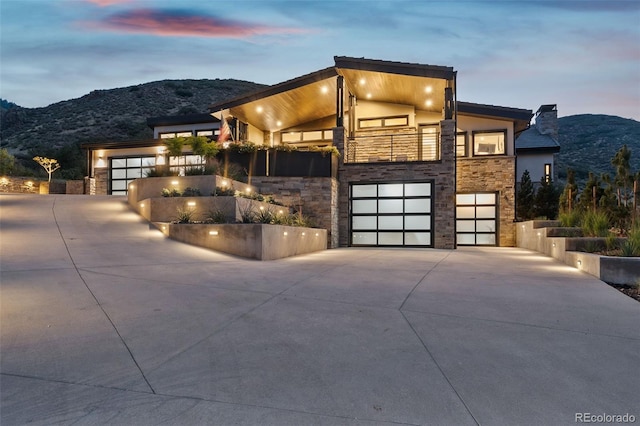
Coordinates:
396 147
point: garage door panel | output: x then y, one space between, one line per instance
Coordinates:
390 206
364 222
417 205
391 214
390 222
477 218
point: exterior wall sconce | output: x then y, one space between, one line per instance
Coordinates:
100 162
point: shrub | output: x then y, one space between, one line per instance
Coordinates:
630 248
570 219
170 192
215 216
595 224
185 215
223 192
193 170
191 192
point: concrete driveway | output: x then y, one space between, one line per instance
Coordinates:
104 321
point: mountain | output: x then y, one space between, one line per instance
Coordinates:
588 142
109 115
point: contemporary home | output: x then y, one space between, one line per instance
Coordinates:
537 145
416 167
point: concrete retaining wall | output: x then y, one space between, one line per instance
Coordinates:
538 236
254 241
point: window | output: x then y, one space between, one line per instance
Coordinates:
461 144
489 142
547 172
429 147
368 123
176 135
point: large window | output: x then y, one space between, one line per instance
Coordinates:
489 142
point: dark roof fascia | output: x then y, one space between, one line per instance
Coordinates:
494 111
391 67
173 120
541 150
276 89
121 144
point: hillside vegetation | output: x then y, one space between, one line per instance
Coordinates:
588 142
109 115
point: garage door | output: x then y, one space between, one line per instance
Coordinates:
476 219
391 214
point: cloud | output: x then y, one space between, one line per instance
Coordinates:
183 23
105 3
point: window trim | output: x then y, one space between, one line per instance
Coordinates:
473 141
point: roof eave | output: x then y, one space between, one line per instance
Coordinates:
275 89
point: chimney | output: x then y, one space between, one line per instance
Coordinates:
547 120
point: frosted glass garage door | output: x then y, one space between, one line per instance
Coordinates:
391 214
476 219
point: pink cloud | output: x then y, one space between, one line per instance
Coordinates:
105 3
183 23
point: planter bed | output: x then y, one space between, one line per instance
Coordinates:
251 240
535 235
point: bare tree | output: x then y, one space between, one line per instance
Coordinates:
49 164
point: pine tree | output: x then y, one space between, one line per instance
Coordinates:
546 200
525 198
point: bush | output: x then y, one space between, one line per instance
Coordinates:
170 192
185 215
215 216
595 224
570 219
191 192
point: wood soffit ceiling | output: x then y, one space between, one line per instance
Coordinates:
315 98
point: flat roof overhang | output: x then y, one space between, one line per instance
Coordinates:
313 96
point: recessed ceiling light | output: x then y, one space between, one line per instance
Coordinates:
278 123
324 89
362 81
368 95
259 109
428 89
429 102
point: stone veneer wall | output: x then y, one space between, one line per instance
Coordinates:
318 197
489 175
101 176
441 172
19 185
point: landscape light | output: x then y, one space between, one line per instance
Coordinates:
191 203
214 233
174 182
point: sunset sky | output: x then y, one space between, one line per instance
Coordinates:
582 55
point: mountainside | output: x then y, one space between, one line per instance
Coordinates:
588 142
109 115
